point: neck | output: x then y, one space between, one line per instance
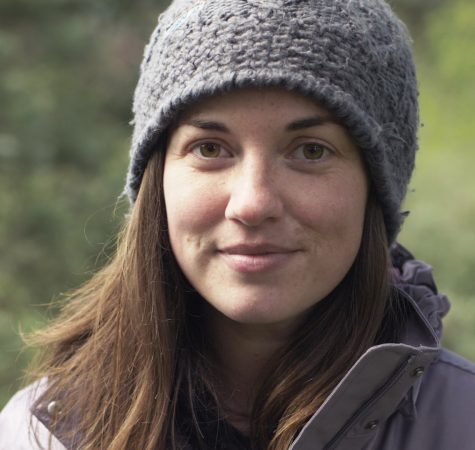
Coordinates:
241 351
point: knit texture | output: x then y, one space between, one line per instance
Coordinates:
352 56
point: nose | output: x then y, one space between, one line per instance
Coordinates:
254 196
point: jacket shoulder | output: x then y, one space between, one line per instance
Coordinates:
452 361
446 402
19 429
451 380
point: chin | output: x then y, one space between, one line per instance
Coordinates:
260 305
258 312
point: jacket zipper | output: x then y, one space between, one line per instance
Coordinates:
379 393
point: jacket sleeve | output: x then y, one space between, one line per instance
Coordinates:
19 429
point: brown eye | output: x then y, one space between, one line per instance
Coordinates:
313 151
210 150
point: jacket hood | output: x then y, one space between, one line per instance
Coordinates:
415 279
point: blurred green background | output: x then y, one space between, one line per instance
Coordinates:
68 70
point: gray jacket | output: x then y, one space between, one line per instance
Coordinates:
411 395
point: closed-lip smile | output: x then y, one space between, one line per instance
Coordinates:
256 257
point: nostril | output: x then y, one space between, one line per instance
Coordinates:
253 204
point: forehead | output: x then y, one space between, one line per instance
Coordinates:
264 114
277 103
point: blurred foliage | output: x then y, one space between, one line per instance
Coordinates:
441 227
69 68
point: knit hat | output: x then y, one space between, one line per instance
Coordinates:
351 56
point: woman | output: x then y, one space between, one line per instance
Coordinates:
257 299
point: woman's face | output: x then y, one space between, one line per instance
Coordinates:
265 197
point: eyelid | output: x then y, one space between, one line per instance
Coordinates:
195 145
329 149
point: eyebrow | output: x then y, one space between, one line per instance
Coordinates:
207 125
300 124
309 122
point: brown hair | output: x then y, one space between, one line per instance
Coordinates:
127 351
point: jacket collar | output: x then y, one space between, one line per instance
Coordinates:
387 377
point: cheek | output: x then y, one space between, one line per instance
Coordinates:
336 215
336 220
193 206
337 204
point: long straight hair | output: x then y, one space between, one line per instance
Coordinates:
127 351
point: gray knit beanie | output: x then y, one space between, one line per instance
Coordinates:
352 56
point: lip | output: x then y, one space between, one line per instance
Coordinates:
255 258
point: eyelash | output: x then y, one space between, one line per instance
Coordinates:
325 150
197 147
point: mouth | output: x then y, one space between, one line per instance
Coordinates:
247 258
